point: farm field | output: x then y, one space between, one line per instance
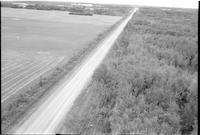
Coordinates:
53 31
21 69
34 42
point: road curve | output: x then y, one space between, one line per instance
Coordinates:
49 114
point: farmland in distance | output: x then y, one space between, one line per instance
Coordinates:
34 42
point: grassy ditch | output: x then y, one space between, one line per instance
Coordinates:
148 82
12 112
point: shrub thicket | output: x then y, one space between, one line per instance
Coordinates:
148 82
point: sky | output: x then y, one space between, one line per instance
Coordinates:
159 3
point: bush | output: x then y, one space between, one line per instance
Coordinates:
148 81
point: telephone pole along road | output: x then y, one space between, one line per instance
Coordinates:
49 114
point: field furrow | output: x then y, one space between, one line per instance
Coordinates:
21 69
16 69
24 75
26 80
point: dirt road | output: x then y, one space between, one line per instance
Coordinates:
47 117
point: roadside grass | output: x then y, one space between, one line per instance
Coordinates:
147 83
14 111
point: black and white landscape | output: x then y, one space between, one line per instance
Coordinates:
93 69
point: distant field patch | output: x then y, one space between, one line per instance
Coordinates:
53 31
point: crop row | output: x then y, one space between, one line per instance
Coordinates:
18 75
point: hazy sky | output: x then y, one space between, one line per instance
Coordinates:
162 3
